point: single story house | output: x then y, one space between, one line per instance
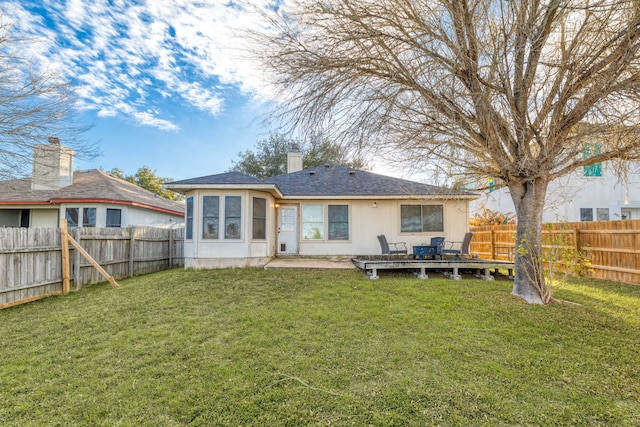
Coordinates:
90 198
236 220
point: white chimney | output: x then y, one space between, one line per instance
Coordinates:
52 166
294 159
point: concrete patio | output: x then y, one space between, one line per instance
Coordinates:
314 263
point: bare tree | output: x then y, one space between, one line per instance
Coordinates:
492 88
35 103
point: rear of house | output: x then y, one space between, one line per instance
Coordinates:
235 220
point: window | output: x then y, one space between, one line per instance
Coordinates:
338 222
421 218
71 215
590 150
259 218
232 217
288 220
189 219
89 217
210 217
312 222
586 214
602 214
114 218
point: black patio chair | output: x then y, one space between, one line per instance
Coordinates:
386 247
462 247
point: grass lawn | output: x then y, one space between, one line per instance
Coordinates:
267 347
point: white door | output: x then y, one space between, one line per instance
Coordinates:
288 230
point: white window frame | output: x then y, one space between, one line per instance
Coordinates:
422 230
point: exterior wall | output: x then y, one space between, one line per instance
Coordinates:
48 217
37 217
219 262
366 222
222 253
149 218
130 215
44 218
567 195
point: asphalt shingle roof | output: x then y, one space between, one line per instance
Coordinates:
331 181
91 185
222 178
344 181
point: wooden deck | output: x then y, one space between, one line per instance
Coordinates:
371 267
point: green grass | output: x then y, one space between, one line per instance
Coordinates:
254 347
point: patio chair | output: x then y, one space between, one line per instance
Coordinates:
438 242
462 247
386 247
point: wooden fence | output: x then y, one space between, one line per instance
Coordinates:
612 247
31 258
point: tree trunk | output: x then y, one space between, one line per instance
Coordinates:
528 198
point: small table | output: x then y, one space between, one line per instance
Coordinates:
422 251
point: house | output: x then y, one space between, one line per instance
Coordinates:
592 193
598 192
85 198
235 220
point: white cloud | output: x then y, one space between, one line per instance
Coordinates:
124 56
147 118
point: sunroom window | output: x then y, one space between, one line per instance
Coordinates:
232 217
189 219
210 217
259 218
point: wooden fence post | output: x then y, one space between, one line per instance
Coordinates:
64 242
76 262
576 238
171 247
493 243
132 250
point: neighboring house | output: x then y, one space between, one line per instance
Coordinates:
593 193
86 199
235 220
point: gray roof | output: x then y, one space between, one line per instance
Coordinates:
327 181
222 178
92 186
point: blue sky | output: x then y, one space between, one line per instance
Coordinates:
162 81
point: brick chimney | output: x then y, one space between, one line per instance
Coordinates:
52 166
294 159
